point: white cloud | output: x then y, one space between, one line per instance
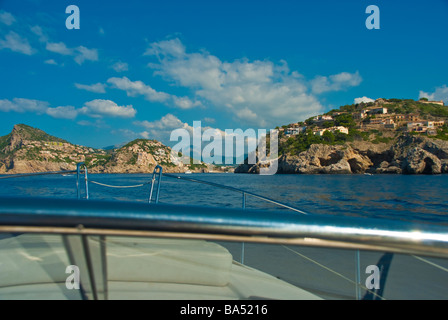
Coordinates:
59 47
172 47
363 99
51 61
161 129
440 93
98 108
7 18
120 66
167 122
185 102
37 30
336 82
23 105
136 88
97 87
256 92
67 112
95 109
80 53
16 43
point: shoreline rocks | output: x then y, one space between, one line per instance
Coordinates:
408 155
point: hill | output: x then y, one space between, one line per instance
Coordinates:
385 136
27 149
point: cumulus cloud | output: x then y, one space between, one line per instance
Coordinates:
22 105
7 18
67 112
215 143
59 47
97 87
120 66
16 43
336 82
363 99
256 92
51 61
161 129
37 30
95 109
80 54
167 122
185 102
137 88
99 108
440 93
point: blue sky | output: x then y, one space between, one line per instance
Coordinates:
144 68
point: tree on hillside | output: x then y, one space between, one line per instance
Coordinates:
345 120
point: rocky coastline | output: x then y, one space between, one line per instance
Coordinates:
408 154
29 150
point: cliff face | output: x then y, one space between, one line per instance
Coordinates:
141 156
407 155
28 149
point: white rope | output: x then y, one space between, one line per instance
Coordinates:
119 187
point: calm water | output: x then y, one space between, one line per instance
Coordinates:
330 273
392 196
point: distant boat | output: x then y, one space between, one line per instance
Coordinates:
368 174
188 172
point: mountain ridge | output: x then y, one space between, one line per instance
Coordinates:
27 149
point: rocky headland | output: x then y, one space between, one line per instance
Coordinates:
407 155
27 149
395 136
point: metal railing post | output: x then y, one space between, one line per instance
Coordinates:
242 244
358 276
158 184
78 172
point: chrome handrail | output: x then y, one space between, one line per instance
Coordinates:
92 217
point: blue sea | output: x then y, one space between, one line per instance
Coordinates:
330 273
403 197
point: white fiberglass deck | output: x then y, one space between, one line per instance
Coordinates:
34 265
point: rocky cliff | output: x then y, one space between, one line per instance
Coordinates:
407 154
140 156
27 149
